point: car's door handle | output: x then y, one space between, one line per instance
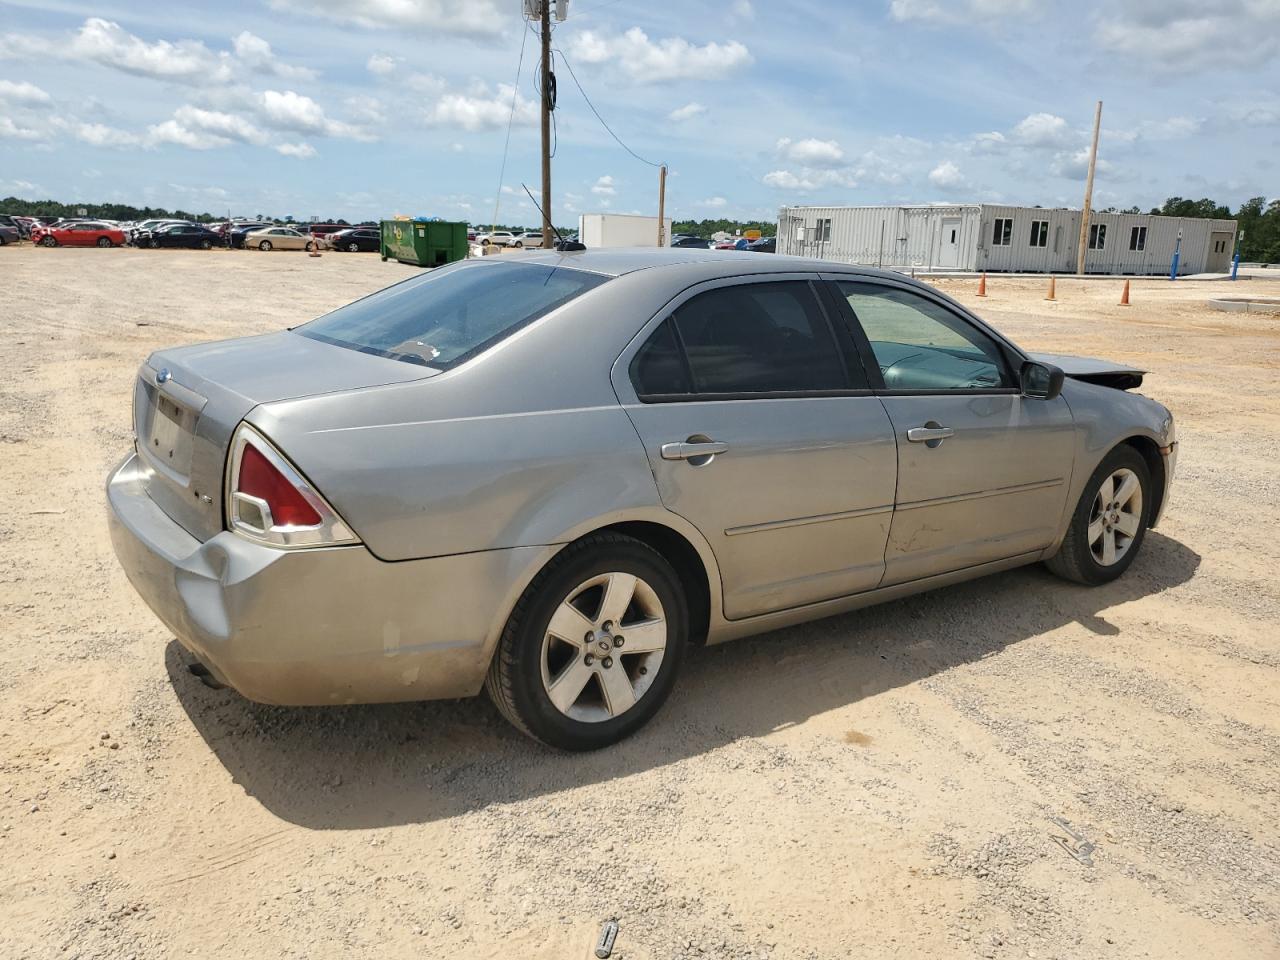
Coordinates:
693 449
931 433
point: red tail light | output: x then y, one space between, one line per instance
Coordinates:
268 500
259 478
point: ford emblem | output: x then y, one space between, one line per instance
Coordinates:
164 376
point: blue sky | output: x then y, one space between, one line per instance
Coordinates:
368 108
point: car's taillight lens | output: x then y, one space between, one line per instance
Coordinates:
268 500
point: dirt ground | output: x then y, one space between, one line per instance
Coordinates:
875 785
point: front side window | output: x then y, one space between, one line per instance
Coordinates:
1138 238
921 345
1097 236
447 316
1039 233
1002 232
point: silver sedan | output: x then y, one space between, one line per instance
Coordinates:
546 477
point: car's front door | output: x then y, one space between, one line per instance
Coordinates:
983 472
756 418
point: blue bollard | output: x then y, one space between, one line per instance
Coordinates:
1235 264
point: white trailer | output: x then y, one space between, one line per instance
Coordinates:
619 230
983 236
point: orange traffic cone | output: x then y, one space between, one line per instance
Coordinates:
1053 286
1124 297
982 285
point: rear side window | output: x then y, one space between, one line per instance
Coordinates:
757 338
449 315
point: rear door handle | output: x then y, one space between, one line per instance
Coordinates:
693 449
931 433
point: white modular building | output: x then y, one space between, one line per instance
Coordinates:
620 230
984 236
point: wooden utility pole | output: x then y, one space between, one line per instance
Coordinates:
1086 210
545 21
662 205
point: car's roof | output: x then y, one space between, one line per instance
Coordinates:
616 261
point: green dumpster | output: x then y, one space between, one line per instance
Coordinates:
425 243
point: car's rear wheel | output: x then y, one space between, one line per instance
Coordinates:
265 245
1110 521
518 244
353 248
206 244
593 647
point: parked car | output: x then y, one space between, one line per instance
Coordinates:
691 243
737 243
319 230
499 238
189 235
397 501
239 231
87 233
361 239
764 245
9 234
530 238
146 227
279 238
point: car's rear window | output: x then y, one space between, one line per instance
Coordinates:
447 316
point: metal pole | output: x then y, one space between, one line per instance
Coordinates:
662 205
1088 193
546 122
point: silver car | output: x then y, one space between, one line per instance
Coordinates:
547 477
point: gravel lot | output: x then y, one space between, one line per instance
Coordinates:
874 785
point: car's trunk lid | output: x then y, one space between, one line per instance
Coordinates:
188 402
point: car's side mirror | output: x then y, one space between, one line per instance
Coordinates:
1040 381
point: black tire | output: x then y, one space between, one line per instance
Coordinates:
485 242
514 681
206 244
1075 559
518 244
265 245
49 241
104 242
353 248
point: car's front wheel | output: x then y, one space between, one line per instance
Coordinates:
1109 522
206 244
265 245
353 248
104 242
593 647
50 241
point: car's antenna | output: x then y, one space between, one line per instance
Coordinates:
561 243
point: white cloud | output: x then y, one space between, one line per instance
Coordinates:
12 131
604 187
1171 128
203 129
292 111
811 152
171 131
109 44
101 135
1042 130
965 11
742 10
687 112
23 94
300 151
480 109
670 59
1074 165
1180 35
255 53
808 180
381 64
474 17
427 83
714 202
947 176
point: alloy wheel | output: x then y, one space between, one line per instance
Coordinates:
603 647
1116 516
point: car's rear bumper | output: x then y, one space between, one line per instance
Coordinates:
318 626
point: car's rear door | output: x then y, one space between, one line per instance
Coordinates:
761 431
983 472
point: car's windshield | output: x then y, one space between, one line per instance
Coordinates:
449 315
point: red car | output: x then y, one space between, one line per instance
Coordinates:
86 234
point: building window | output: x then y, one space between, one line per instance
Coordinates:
1002 235
824 231
1097 236
1138 238
1039 233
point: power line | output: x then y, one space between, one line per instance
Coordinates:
502 172
597 112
